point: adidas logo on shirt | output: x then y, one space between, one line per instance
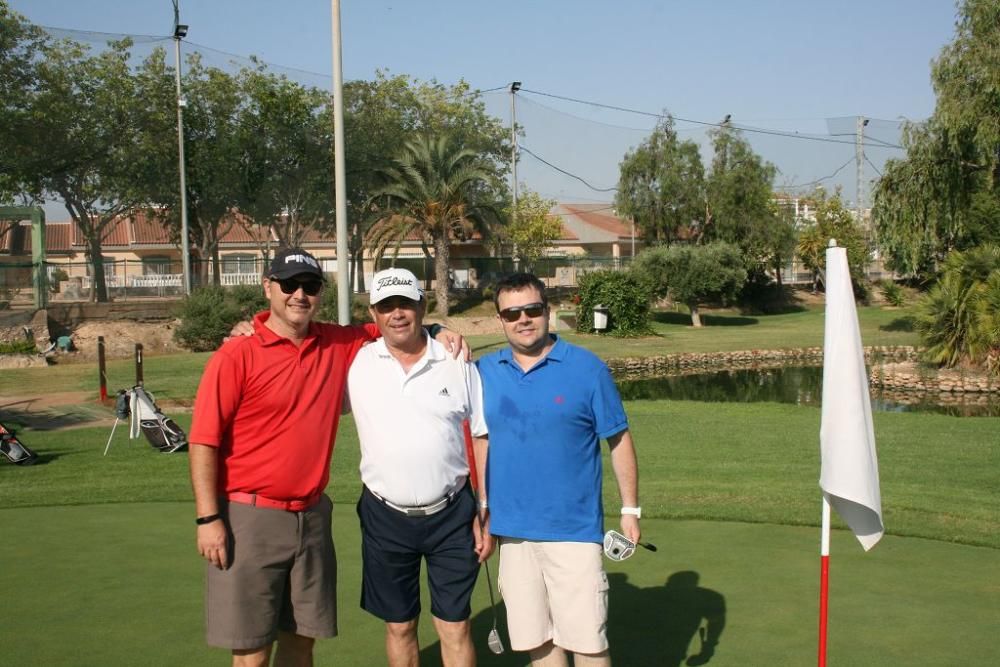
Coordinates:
444 392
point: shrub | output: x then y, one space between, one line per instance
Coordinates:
209 313
21 346
893 293
625 297
328 307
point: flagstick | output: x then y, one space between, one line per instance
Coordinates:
824 579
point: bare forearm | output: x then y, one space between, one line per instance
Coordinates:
623 461
481 448
204 462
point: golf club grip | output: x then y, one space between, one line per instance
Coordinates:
648 545
470 454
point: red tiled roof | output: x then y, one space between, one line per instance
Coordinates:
600 216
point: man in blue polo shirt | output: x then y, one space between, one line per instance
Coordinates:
548 404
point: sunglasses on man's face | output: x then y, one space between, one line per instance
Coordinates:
513 314
291 285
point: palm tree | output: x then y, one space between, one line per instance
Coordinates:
438 192
959 319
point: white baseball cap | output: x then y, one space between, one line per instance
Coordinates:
395 282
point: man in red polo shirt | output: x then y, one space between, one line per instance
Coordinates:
262 434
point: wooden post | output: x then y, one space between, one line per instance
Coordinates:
101 369
138 364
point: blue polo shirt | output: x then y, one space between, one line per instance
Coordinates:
544 471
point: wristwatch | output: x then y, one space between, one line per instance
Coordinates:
634 511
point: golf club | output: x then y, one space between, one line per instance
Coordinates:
493 639
618 547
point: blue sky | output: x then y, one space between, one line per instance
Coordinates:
778 65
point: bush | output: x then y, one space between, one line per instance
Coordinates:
56 277
625 297
328 307
23 346
893 293
209 313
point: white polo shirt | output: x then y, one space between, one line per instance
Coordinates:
410 424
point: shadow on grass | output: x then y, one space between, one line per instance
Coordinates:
899 324
646 626
22 414
657 625
668 317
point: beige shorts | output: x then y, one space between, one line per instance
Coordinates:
282 576
554 591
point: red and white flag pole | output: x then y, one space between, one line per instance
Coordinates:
848 463
824 580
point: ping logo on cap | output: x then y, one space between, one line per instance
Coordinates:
303 259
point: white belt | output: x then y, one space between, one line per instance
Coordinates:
423 510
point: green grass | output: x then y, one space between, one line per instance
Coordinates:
939 474
176 376
121 584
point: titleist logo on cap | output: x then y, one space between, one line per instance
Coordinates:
389 281
301 259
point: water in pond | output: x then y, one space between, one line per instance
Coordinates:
802 385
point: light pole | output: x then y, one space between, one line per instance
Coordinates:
339 186
180 31
514 87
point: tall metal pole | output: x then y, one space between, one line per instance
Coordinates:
340 189
181 31
859 156
514 87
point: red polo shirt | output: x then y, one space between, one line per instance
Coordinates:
272 408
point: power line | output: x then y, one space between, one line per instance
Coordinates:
873 166
744 128
563 171
818 180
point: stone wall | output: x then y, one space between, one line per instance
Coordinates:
690 363
909 377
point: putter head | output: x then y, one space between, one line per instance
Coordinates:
617 546
493 641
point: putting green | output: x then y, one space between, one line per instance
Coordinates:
121 585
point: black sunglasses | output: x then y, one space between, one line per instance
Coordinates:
513 314
291 285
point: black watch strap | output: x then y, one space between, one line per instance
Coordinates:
202 520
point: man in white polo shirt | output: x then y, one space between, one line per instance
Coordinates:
409 397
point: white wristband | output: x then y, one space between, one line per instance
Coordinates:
634 511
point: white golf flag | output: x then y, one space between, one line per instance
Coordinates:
849 468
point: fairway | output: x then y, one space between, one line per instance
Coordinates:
121 585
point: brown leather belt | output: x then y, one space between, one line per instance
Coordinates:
257 500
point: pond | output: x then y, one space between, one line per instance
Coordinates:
801 385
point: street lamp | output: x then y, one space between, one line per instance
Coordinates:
181 31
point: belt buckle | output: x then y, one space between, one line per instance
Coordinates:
415 511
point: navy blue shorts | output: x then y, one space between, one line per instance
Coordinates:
392 546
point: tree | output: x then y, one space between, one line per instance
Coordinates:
212 150
740 208
285 147
661 186
434 191
531 229
380 116
692 275
20 43
84 141
942 195
833 221
959 318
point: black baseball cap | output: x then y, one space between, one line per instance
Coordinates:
293 262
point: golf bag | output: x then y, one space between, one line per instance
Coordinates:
160 430
14 450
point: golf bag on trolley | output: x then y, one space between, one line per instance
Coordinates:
14 450
162 432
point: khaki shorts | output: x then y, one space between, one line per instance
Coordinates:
282 576
554 591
